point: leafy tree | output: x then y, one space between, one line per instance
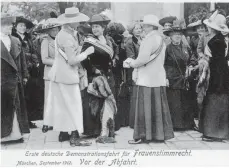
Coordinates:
41 10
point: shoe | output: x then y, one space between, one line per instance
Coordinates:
45 128
32 125
74 138
207 139
50 128
139 141
63 136
82 143
21 140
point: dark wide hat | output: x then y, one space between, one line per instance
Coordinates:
99 19
178 26
168 19
28 23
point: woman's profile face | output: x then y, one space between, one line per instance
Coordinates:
97 30
176 37
21 28
200 29
54 31
167 26
137 30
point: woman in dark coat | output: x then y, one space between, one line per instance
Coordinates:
177 62
34 90
214 123
132 48
115 30
14 119
92 124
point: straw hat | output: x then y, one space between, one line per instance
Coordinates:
178 26
50 23
151 20
217 22
72 15
99 18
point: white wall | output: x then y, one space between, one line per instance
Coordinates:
128 11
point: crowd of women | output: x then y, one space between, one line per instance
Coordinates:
84 75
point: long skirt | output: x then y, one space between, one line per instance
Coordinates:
64 107
92 124
132 106
46 119
214 120
152 115
182 108
35 98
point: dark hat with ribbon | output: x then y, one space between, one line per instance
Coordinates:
178 26
99 19
168 19
21 19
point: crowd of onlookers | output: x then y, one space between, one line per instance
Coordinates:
92 76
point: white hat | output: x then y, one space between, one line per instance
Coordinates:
151 20
50 23
217 22
72 15
194 24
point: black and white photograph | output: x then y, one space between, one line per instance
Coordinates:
119 80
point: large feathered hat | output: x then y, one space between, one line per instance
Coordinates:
178 26
218 22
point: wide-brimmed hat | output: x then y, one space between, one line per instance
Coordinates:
168 19
50 23
194 24
99 19
217 22
27 22
72 15
151 20
178 26
38 27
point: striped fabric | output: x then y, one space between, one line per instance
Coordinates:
98 44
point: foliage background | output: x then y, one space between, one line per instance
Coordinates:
41 10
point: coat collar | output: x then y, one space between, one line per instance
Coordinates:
7 56
15 48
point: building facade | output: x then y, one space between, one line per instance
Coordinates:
126 12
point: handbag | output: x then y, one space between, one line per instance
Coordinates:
124 87
186 82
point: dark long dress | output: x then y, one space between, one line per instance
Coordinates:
92 124
181 103
132 49
34 90
122 89
13 69
214 121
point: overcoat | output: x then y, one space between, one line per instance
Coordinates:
13 70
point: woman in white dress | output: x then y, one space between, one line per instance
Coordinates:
64 99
